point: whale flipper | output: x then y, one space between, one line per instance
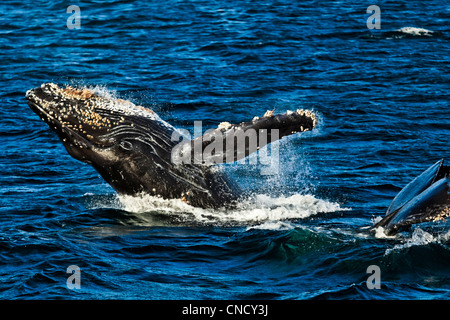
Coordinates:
415 187
233 142
424 199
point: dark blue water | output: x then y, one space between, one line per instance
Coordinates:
382 97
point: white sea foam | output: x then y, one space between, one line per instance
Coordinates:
380 234
273 225
380 231
415 31
103 91
262 211
419 237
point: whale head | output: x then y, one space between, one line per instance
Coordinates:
122 141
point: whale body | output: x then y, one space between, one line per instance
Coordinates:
133 148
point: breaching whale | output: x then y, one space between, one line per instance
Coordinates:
132 147
425 198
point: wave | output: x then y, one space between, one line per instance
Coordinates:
260 212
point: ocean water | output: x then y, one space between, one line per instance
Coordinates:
382 97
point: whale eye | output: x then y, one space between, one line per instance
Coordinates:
127 145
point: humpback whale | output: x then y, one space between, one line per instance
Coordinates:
131 147
425 198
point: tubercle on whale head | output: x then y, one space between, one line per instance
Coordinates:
71 114
69 107
87 123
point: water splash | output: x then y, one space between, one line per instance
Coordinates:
260 209
419 237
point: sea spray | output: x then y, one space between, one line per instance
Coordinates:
259 209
